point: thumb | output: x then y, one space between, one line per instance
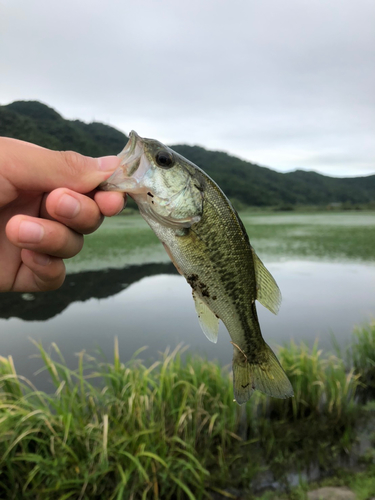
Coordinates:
26 166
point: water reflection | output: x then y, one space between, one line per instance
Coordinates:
148 305
77 287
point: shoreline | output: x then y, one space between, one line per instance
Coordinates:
173 426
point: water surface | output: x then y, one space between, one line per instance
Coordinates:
151 305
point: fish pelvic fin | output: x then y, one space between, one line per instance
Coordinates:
267 377
207 319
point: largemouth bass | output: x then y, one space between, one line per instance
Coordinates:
208 244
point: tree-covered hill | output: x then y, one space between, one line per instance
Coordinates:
260 186
35 122
242 181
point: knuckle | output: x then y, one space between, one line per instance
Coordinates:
76 163
53 279
7 285
93 220
93 227
62 241
65 242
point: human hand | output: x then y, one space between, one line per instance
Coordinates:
47 203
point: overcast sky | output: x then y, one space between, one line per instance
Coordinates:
287 84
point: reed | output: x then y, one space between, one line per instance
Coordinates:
362 358
169 430
143 431
323 386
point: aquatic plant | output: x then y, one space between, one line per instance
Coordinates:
322 385
362 358
169 430
140 430
128 240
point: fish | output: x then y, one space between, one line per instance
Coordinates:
208 244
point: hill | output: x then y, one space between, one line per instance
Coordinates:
242 181
260 186
35 122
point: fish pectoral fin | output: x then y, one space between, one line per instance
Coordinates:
267 377
207 319
268 292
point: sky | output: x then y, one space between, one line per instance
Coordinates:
285 84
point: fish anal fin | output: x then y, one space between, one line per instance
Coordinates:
207 319
268 292
267 377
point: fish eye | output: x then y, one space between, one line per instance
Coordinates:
164 159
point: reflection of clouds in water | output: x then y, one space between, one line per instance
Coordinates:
157 311
319 219
320 298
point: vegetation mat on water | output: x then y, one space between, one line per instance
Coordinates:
169 430
127 240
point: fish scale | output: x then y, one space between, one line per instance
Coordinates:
209 246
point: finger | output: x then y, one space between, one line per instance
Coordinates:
110 203
43 236
77 211
26 167
39 273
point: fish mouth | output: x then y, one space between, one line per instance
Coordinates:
122 178
131 147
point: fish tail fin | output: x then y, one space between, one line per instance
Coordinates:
267 376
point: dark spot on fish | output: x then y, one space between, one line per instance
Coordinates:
196 284
152 201
203 289
230 286
192 280
214 297
150 194
244 386
254 310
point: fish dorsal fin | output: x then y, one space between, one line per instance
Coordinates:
207 319
268 292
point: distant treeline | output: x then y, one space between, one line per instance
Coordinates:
245 183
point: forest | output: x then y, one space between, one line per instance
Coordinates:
245 183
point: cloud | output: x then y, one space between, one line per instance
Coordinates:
286 84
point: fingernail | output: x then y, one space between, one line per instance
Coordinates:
41 259
68 207
108 163
30 232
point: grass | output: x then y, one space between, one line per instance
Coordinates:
362 355
322 235
140 432
322 384
170 430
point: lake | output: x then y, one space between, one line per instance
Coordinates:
122 285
